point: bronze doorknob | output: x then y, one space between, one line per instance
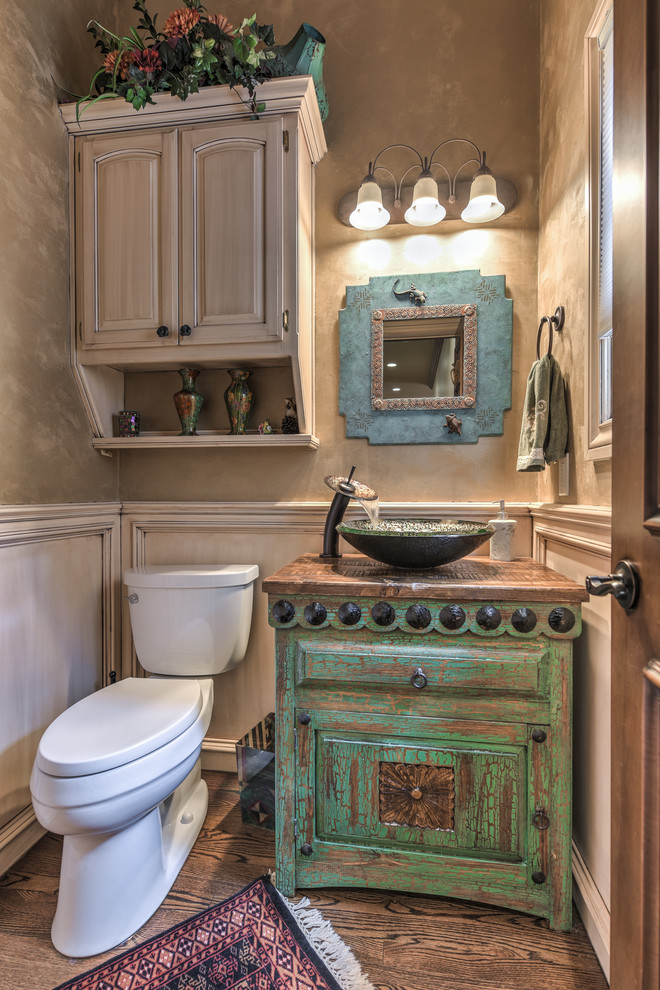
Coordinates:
623 584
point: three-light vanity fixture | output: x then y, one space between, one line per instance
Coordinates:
488 198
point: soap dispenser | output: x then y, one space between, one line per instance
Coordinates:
500 541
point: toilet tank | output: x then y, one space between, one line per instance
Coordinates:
190 620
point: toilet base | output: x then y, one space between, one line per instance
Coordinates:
110 884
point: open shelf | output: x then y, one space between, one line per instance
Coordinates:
162 441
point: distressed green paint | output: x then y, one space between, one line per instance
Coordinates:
487 691
347 804
475 668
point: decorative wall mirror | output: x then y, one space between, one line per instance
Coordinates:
437 370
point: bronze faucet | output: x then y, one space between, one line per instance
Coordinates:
345 489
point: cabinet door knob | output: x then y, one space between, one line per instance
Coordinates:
163 331
306 849
184 331
419 678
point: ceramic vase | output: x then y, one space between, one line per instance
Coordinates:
188 402
303 56
238 399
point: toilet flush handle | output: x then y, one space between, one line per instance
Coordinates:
133 599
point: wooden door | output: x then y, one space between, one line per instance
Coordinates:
126 239
635 921
232 232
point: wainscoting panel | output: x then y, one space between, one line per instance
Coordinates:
269 534
576 541
58 567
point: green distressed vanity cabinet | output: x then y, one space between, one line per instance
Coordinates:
423 729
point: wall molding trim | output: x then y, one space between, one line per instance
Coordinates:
299 516
584 527
17 836
32 523
25 525
593 910
219 754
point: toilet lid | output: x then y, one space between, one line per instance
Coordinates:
118 724
191 575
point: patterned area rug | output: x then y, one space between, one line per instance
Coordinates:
255 940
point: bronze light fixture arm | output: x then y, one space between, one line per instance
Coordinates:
484 200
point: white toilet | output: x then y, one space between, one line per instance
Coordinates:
118 773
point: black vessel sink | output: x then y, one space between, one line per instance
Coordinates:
414 543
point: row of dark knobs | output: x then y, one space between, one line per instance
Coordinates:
419 616
184 331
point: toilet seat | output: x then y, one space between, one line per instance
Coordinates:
119 724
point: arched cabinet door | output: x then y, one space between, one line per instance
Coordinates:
126 205
232 231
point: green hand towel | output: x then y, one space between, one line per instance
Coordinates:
544 430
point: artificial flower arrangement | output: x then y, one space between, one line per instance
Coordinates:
194 49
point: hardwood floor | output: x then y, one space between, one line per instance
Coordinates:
403 942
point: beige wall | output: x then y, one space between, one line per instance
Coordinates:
45 454
455 71
563 241
563 272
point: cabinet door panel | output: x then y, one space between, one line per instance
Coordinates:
127 212
419 794
231 232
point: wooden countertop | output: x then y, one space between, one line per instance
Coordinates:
470 579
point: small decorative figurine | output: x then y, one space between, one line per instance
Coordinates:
453 423
265 428
415 295
129 423
290 420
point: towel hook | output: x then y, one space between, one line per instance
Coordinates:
555 323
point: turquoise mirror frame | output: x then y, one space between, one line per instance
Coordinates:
479 411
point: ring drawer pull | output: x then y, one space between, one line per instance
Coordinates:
419 678
540 819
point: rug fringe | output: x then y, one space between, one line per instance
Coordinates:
331 948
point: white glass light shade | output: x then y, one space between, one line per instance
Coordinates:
425 209
484 204
369 214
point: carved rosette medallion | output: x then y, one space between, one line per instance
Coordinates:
417 795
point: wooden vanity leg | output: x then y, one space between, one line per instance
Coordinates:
561 897
285 771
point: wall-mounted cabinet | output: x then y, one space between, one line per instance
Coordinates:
192 245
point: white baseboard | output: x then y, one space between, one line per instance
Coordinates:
219 754
593 911
17 836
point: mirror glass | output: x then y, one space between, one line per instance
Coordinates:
423 357
422 361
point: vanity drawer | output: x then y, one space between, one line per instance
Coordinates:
447 667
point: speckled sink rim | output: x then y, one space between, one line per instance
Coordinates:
411 528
